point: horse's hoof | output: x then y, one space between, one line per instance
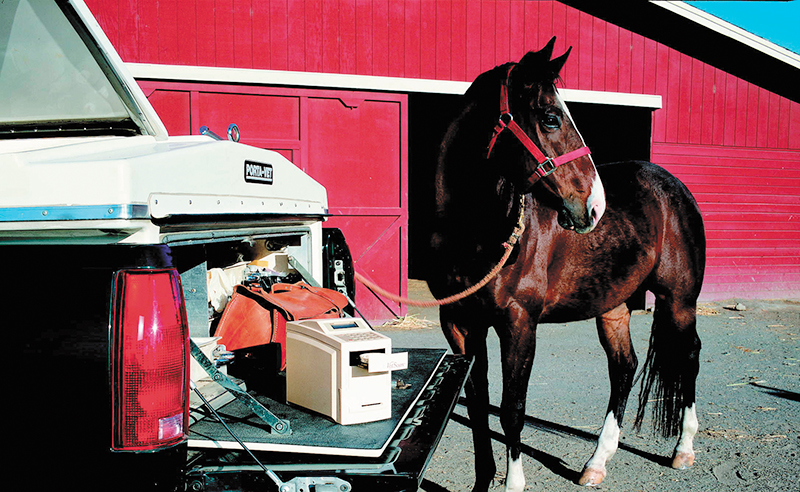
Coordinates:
592 477
682 461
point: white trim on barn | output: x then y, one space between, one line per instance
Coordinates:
727 29
186 73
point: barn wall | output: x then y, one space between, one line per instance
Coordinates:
713 131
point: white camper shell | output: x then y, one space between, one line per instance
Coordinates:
84 158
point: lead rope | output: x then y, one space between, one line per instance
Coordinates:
509 247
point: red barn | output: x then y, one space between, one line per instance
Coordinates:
357 92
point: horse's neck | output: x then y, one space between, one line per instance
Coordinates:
475 210
475 221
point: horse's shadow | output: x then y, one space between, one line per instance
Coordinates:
554 463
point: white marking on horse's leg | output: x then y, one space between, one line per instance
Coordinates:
515 476
684 451
594 471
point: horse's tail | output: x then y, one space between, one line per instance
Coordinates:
670 370
669 374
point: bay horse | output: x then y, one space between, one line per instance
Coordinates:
592 237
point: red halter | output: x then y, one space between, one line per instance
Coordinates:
546 164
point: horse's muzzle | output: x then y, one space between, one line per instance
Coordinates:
582 218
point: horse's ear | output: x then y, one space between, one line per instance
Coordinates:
534 62
558 63
542 56
547 51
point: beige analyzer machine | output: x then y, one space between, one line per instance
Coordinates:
341 368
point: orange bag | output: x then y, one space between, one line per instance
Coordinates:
254 317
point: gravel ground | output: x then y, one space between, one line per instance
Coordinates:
748 404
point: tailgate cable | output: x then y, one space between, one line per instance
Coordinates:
320 484
208 405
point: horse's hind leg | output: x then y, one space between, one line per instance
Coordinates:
671 372
683 456
614 332
472 342
684 318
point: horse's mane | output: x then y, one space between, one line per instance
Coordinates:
486 80
539 70
468 184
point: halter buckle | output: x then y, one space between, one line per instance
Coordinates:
546 168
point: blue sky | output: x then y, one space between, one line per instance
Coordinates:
778 22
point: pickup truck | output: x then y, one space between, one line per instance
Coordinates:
109 231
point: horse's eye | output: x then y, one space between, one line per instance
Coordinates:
551 121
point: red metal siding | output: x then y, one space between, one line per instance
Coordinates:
354 143
735 145
446 40
750 200
707 114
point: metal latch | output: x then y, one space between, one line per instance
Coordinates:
338 276
315 484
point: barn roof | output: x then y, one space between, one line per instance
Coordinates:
706 38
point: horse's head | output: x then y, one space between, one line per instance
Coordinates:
554 152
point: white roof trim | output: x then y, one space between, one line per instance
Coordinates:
727 29
652 101
187 73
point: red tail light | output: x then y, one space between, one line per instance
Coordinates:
150 360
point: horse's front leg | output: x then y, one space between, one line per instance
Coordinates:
472 342
517 347
614 332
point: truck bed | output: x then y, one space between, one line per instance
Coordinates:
314 433
391 454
